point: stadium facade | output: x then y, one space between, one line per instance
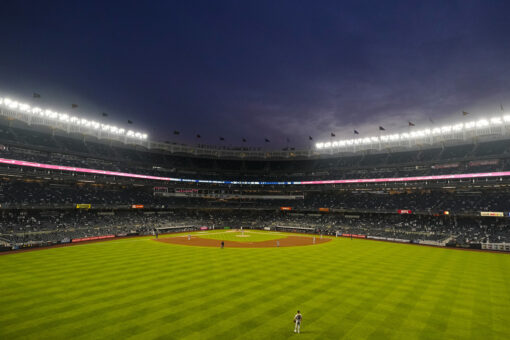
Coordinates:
66 178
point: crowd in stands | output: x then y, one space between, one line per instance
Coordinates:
42 147
39 226
48 193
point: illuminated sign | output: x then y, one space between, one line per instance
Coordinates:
83 206
492 213
400 211
446 212
324 209
137 206
285 208
171 179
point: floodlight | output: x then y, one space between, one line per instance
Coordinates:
470 125
24 107
458 127
482 123
496 121
446 128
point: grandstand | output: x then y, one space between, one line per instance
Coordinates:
65 178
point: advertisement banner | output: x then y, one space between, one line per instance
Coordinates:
137 206
354 235
404 211
484 162
492 213
445 166
204 228
91 238
324 209
285 208
83 206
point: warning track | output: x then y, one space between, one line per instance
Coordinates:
289 241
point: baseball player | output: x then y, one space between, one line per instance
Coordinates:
297 321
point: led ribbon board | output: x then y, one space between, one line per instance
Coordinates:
171 179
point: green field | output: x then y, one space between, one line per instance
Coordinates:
346 289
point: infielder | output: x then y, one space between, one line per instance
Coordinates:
297 322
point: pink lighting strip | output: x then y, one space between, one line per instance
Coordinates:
339 181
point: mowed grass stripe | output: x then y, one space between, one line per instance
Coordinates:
148 289
83 288
129 289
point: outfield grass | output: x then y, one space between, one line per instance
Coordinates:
346 289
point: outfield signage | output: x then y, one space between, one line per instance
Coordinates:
171 179
137 206
204 228
285 208
83 239
492 213
354 235
404 211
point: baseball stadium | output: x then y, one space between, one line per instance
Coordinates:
108 234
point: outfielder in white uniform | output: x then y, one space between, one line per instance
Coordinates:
297 322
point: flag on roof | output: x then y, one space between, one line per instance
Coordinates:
356 132
381 128
411 124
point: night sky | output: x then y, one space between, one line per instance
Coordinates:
256 69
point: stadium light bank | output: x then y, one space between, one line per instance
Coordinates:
67 119
461 129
